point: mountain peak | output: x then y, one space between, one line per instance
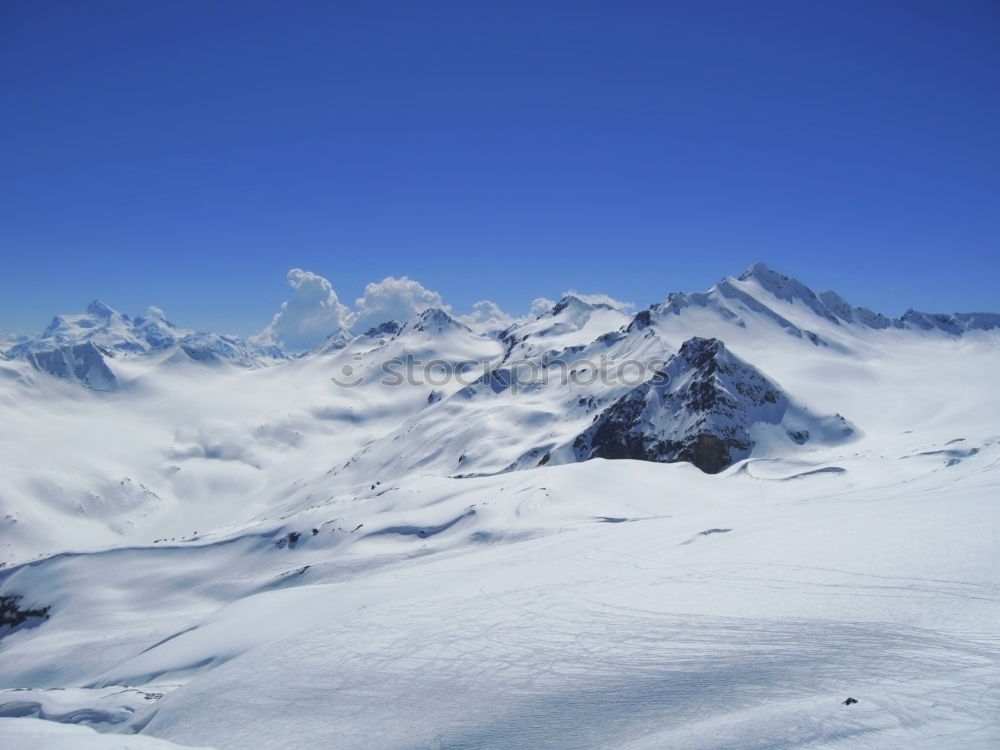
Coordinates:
570 300
777 283
706 407
99 309
388 328
434 320
576 302
435 315
759 270
336 341
786 289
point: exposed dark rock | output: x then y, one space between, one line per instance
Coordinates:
700 408
641 321
290 540
708 452
13 616
436 320
389 328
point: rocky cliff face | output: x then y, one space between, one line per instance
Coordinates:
707 407
83 363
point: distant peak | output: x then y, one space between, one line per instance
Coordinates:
778 284
763 273
577 303
955 324
338 339
787 289
389 328
567 301
434 318
99 309
641 321
436 315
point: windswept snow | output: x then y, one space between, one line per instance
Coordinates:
244 557
25 734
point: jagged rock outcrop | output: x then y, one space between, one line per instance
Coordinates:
435 320
388 329
707 407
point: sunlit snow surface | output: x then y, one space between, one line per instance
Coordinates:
233 560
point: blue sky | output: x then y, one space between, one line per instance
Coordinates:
189 153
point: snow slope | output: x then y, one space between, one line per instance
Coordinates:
253 557
25 734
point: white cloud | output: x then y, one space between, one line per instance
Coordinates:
486 316
539 306
312 314
393 299
603 299
155 313
314 310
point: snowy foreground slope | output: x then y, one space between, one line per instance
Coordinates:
246 555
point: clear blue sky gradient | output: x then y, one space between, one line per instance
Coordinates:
188 153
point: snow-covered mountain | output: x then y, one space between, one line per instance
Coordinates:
833 307
704 524
102 333
104 327
761 299
571 322
706 407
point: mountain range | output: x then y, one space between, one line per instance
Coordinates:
708 521
714 409
759 291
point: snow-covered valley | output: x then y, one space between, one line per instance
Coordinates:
210 543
